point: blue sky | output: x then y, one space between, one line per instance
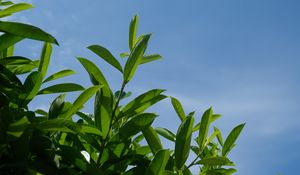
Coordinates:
240 57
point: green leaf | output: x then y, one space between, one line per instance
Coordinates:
103 110
14 8
142 102
232 137
214 161
204 126
17 128
183 141
60 74
80 101
7 40
150 58
136 124
132 32
86 117
178 108
135 57
152 139
220 171
124 54
15 60
96 76
106 55
211 119
45 58
166 133
26 31
219 136
56 107
66 125
158 164
60 88
32 84
6 3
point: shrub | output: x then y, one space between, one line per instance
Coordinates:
108 141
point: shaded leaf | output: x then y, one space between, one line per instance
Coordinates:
45 58
56 107
7 40
32 84
214 161
17 128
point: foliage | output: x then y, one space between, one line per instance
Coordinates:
108 141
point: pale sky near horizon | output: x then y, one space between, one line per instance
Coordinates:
240 57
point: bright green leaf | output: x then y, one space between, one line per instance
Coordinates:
204 126
14 8
166 133
214 161
152 139
230 140
178 108
60 74
61 88
132 32
150 58
158 164
45 58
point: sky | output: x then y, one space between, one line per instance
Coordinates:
239 56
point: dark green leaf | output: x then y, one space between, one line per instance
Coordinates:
60 88
152 139
80 101
166 133
32 84
158 164
14 8
86 117
219 136
56 107
183 141
26 31
7 40
6 3
221 171
132 32
60 74
178 108
204 126
230 140
135 57
106 55
136 124
17 128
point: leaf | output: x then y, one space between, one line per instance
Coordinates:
7 40
56 107
60 74
219 136
158 164
214 161
135 57
67 125
103 110
80 101
220 171
152 139
6 3
15 60
124 54
142 102
96 76
183 141
132 32
211 119
32 84
136 124
26 31
17 128
106 55
60 88
204 125
150 58
178 108
230 140
14 8
45 58
86 117
166 133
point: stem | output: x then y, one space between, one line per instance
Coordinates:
193 162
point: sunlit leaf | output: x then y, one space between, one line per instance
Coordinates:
26 31
132 32
45 58
158 164
150 58
7 40
230 140
14 8
152 139
183 141
166 133
214 161
60 88
178 108
106 55
60 74
204 126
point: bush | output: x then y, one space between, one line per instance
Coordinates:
108 141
